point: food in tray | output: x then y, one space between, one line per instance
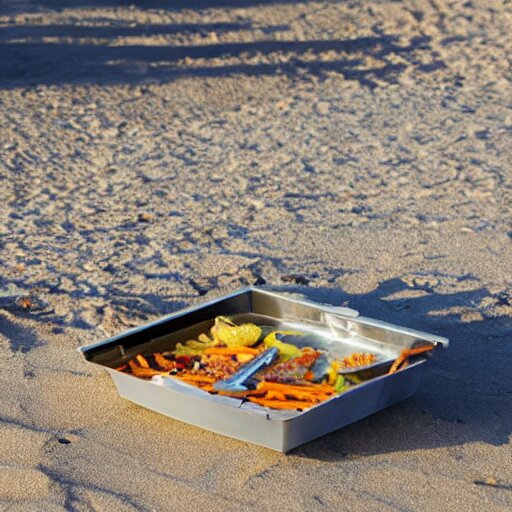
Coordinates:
355 360
284 375
401 361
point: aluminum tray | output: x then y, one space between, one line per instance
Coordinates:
339 330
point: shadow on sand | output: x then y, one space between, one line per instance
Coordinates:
94 53
171 5
465 396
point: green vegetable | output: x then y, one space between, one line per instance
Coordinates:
231 335
194 347
339 384
224 332
286 350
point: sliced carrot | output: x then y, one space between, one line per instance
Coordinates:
142 361
143 373
274 395
417 350
308 397
234 394
404 365
278 404
195 378
289 395
121 368
163 362
397 362
405 354
133 365
309 388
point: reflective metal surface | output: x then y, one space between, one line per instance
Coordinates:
237 381
337 330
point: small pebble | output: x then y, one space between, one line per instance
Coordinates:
294 278
145 217
322 108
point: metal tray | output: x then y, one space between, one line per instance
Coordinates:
339 330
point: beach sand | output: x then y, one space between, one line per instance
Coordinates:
158 155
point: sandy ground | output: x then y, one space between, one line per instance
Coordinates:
155 156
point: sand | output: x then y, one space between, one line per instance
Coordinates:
158 155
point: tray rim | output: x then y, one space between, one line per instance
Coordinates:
346 313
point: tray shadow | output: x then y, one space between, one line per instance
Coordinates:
465 396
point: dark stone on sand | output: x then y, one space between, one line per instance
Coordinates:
145 217
295 278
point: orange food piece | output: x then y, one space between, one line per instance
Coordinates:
142 372
194 378
142 361
234 394
290 394
405 354
163 362
404 365
274 395
309 388
279 404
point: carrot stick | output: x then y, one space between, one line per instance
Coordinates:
288 395
405 354
397 362
143 373
275 395
404 365
278 404
163 362
309 388
121 368
308 397
234 394
142 361
417 350
195 378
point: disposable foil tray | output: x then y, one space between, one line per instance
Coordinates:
336 329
